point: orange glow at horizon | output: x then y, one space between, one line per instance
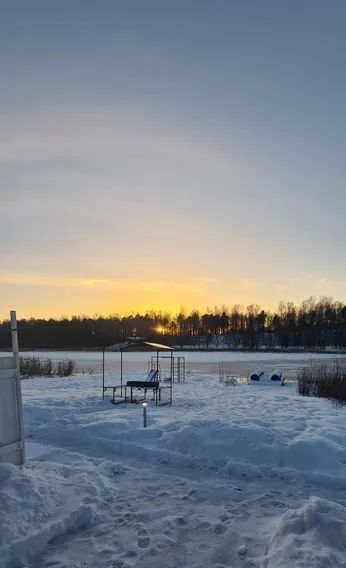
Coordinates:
49 295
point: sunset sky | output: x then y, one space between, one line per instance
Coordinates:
159 154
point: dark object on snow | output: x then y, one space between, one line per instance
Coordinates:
152 382
143 384
256 375
276 375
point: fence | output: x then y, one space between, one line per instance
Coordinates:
11 413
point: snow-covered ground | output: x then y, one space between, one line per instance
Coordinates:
230 476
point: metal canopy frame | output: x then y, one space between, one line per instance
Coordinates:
136 346
178 367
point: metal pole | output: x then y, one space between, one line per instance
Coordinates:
145 415
121 373
18 387
103 373
171 389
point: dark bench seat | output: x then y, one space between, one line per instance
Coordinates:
143 384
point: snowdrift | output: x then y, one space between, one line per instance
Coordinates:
44 500
313 535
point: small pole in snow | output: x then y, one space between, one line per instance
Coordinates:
103 373
144 414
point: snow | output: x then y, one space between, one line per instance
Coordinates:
47 499
231 475
312 535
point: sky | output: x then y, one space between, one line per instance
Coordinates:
167 154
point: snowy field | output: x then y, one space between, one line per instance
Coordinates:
230 476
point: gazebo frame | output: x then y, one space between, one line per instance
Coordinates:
178 368
138 346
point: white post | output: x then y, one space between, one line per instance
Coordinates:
15 349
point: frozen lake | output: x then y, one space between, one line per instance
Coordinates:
204 363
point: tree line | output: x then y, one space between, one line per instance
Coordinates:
314 324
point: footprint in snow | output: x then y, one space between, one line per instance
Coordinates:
118 564
242 551
143 539
130 554
220 529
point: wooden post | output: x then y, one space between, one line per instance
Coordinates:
15 349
